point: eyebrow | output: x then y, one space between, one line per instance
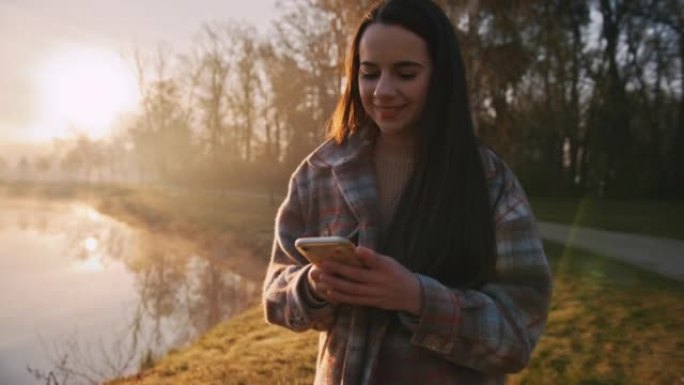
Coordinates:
403 63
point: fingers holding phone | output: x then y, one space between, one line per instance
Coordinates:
382 282
335 248
316 285
320 249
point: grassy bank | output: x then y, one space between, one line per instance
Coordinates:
609 323
243 350
656 218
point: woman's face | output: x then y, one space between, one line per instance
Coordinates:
394 76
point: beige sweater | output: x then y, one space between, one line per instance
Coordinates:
394 162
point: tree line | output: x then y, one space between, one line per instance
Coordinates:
580 97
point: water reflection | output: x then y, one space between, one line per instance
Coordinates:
118 295
187 292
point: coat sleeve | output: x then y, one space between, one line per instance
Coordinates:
495 328
286 297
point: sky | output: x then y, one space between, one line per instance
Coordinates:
52 52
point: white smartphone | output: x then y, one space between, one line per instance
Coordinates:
318 249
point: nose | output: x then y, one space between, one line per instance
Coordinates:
385 87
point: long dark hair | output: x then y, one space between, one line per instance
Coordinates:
443 225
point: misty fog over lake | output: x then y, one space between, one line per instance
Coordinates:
79 285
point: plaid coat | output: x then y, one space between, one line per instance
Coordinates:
460 337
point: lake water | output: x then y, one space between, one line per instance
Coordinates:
85 293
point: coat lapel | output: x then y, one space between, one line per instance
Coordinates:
354 174
358 186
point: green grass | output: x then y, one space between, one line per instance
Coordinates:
609 323
656 218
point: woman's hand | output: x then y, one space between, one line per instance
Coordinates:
383 283
316 287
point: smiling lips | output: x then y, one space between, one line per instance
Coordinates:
388 112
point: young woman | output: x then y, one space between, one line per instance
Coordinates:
455 285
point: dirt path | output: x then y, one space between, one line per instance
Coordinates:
661 255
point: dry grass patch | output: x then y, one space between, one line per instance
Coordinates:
243 350
609 324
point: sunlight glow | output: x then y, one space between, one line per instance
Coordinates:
93 261
92 214
91 264
83 89
91 244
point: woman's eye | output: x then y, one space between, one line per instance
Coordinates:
407 76
369 75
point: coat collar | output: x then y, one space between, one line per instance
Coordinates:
355 146
352 169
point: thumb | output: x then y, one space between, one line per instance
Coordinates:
367 256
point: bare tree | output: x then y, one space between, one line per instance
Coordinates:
24 168
312 36
209 66
3 166
243 100
42 165
161 133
